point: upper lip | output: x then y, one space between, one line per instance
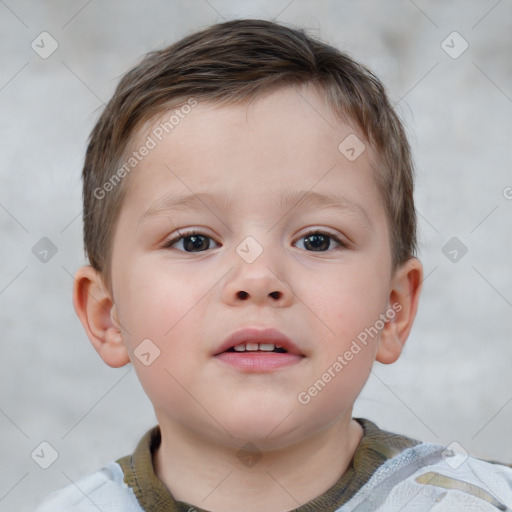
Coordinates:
258 335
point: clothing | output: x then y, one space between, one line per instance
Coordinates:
388 473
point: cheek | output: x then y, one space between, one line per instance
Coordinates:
348 302
159 312
155 303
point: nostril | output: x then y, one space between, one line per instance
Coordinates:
244 295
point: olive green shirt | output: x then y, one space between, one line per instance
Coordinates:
375 447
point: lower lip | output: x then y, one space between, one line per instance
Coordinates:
258 362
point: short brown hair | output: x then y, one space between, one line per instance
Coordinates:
232 62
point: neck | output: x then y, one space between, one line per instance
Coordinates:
221 478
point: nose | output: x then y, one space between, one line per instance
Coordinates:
256 283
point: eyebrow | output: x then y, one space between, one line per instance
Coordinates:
308 198
289 200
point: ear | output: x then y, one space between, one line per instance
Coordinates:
96 310
403 304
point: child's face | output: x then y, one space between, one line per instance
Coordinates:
239 167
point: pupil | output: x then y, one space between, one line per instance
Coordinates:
318 242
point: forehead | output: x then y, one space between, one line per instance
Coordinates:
278 144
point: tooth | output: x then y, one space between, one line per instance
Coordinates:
251 346
239 348
268 347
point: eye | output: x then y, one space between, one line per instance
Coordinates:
191 242
320 241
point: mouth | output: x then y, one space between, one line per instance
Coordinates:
255 350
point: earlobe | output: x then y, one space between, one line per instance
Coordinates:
403 304
97 312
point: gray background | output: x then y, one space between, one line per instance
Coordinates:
453 381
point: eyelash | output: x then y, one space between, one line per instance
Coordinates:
169 243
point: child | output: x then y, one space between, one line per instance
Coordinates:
250 226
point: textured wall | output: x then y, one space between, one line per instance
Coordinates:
453 382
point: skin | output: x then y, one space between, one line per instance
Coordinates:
187 303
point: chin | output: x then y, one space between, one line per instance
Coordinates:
267 431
